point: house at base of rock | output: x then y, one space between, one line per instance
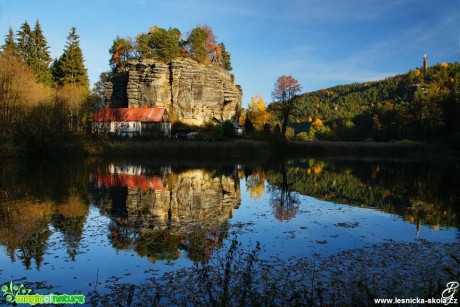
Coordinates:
130 122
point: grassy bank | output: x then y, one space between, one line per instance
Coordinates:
182 149
398 150
82 146
262 149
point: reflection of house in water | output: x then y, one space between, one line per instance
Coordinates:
185 207
132 177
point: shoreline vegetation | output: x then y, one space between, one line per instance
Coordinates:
243 150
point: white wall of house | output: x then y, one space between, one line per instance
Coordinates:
126 129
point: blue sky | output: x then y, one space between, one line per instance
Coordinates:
321 43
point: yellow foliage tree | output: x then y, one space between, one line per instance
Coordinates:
242 119
257 112
73 96
18 91
317 123
255 183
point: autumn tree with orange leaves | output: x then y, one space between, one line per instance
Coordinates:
284 93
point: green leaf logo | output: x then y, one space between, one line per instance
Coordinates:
11 291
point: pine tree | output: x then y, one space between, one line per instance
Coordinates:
9 47
225 58
56 71
42 58
25 43
71 63
32 49
197 44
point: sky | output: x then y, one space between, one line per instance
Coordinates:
321 43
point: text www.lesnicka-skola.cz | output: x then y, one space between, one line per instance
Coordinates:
416 300
447 297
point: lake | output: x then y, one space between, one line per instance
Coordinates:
305 232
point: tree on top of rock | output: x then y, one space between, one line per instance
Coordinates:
122 51
225 61
212 49
196 43
165 43
203 48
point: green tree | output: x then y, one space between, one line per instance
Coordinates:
141 47
25 43
286 88
41 60
225 61
122 51
56 71
196 43
71 64
10 46
32 48
165 43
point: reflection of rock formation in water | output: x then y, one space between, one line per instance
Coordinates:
186 209
190 200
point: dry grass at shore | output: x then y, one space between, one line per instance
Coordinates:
264 149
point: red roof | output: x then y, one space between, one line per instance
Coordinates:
129 114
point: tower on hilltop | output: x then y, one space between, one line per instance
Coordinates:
425 63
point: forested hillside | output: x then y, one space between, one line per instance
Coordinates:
419 105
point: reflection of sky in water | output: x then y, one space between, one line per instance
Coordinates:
312 230
319 227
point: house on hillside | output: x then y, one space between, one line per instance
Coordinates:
129 122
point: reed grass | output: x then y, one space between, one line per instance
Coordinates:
204 150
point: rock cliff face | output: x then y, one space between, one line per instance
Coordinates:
193 93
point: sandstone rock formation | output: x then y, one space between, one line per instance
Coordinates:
193 93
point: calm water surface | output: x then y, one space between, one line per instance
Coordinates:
76 227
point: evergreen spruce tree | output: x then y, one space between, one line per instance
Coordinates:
25 43
41 59
32 49
10 46
56 71
225 61
71 66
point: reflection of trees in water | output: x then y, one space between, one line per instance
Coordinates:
255 182
35 194
34 245
420 192
69 219
283 200
24 228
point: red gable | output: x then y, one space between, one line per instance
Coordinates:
129 114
